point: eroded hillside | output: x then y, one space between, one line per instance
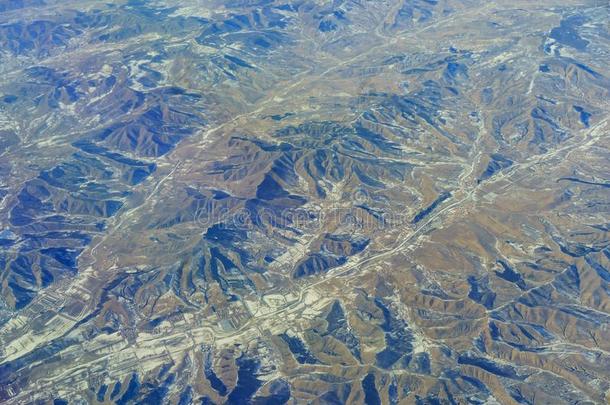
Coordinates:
304 202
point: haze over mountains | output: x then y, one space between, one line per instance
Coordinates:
267 202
